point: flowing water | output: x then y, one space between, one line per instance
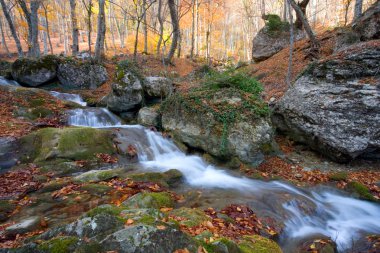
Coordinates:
304 213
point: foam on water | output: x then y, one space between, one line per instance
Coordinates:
69 97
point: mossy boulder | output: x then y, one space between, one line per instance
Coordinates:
77 74
225 123
35 72
67 143
149 200
104 209
192 217
127 91
148 239
96 176
170 178
360 190
148 216
258 244
61 244
96 189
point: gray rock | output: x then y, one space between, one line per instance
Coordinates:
28 225
81 75
30 72
245 139
328 109
368 25
96 176
266 45
148 116
158 87
127 93
147 239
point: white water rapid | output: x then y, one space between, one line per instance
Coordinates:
69 97
331 213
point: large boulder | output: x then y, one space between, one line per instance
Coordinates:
368 25
72 143
148 116
32 72
127 91
81 75
334 107
225 123
272 38
158 87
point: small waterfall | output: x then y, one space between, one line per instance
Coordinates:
92 117
4 81
339 217
69 97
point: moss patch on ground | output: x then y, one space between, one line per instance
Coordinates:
360 191
258 244
64 244
193 217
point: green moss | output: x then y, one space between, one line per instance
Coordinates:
274 25
97 189
89 247
258 244
29 66
149 177
96 176
67 143
123 66
360 190
150 200
59 245
148 216
193 217
37 102
338 176
40 112
104 209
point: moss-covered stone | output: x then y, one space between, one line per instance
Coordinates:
104 209
96 189
149 200
169 178
96 176
258 244
148 216
193 217
360 191
63 244
338 176
6 208
67 143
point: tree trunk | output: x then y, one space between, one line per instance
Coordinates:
145 28
44 36
290 63
313 40
48 29
74 27
99 47
161 31
358 9
176 31
35 50
3 38
12 28
192 30
299 20
136 39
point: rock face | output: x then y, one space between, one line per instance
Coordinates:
368 25
272 38
247 138
158 87
127 92
81 75
334 107
34 73
148 116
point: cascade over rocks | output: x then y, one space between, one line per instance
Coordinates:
35 72
334 107
81 75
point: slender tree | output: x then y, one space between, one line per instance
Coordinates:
3 37
176 31
101 33
74 27
300 15
12 28
358 8
290 63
